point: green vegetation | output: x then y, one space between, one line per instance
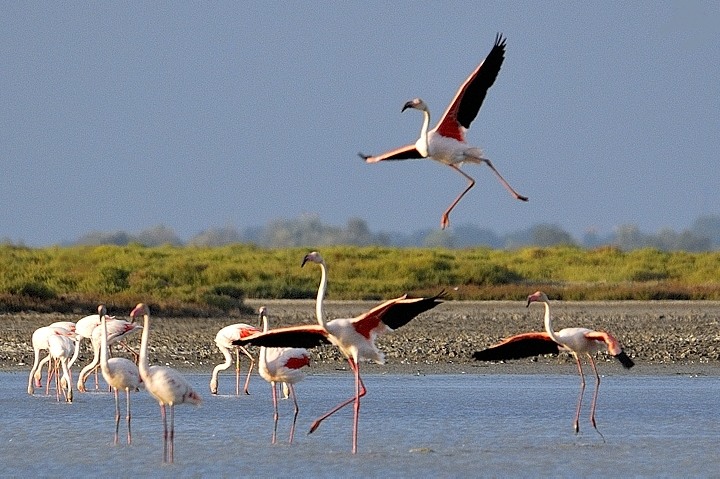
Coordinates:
208 280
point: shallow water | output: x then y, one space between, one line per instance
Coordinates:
456 425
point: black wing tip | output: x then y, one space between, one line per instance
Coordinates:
500 40
625 360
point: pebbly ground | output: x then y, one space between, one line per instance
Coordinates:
663 337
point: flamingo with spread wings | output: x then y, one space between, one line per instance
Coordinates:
446 142
355 337
576 341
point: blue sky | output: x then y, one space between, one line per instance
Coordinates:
124 116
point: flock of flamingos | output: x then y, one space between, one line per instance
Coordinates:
283 352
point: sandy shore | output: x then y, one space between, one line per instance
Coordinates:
663 337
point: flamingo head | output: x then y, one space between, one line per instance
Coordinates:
102 311
313 257
537 296
415 103
140 310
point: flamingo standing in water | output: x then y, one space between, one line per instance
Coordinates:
165 384
355 337
119 373
446 142
282 365
223 340
576 341
117 330
61 348
40 343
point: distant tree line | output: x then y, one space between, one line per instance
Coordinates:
309 230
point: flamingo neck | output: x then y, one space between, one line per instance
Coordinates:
263 349
143 360
548 324
103 343
422 143
321 295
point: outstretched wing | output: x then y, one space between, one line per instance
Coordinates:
469 98
305 336
407 152
519 346
613 346
395 313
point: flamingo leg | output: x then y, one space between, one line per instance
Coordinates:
165 432
595 396
171 443
128 415
237 372
276 415
359 392
507 186
52 369
291 388
252 363
117 415
445 219
576 423
356 417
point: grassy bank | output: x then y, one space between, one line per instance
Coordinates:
194 280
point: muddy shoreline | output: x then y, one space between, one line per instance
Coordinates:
663 337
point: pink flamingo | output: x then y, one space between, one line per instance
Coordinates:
117 330
165 384
282 365
446 142
223 340
576 341
355 337
119 373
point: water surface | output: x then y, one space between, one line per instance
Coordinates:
454 425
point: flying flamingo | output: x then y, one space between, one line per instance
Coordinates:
165 384
355 337
117 330
39 342
576 341
119 373
446 142
282 365
61 349
223 340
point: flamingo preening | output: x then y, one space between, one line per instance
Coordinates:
119 373
165 384
576 341
282 365
446 142
355 337
223 340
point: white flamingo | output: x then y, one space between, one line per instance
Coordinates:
119 373
223 340
165 384
576 341
282 365
39 342
61 349
355 337
117 330
446 142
